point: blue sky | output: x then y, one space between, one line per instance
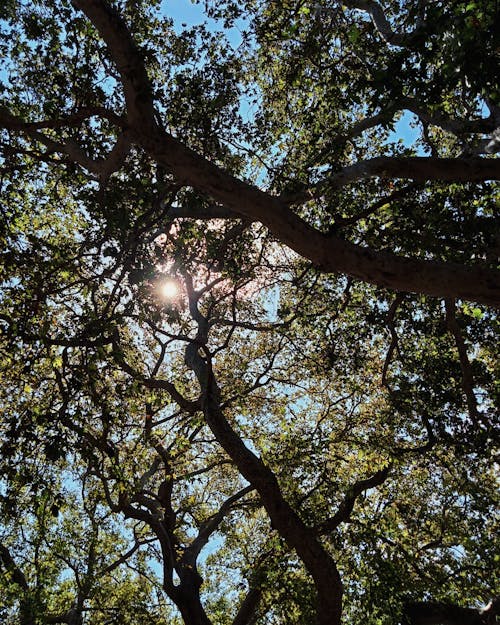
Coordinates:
186 14
403 130
183 11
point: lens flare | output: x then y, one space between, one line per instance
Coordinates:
169 289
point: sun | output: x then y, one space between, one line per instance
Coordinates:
169 289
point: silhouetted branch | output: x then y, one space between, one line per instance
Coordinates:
346 507
433 613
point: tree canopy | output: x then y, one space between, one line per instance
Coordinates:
248 283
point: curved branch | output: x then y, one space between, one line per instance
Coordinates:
128 59
333 254
347 506
454 125
247 612
382 24
328 253
101 166
284 519
124 557
211 524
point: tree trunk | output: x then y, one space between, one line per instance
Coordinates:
284 519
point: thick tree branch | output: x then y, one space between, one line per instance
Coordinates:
333 254
247 612
430 613
454 125
154 522
382 24
283 517
417 168
329 254
9 565
128 59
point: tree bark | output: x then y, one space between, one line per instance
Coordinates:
283 517
327 253
247 613
434 613
188 601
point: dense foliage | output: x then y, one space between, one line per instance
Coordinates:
248 279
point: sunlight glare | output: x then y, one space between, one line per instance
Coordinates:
169 289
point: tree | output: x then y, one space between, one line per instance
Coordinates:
241 316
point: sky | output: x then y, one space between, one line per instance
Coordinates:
183 11
186 13
403 130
